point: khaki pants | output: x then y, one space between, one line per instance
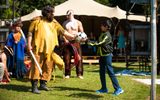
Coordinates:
45 65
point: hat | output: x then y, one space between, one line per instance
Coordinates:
69 12
8 50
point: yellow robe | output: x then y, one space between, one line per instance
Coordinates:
45 35
44 40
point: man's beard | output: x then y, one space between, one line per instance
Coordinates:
50 19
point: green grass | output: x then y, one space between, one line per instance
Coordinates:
77 89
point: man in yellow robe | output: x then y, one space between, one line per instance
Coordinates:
42 39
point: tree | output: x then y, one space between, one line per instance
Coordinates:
6 12
23 7
129 6
104 2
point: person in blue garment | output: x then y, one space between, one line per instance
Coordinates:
17 43
121 40
105 50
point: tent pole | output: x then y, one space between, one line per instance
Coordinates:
153 49
132 6
127 53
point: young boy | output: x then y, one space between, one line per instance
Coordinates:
105 61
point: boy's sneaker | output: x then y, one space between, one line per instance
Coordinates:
118 92
102 91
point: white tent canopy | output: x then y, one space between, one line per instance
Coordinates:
89 8
83 7
32 15
92 8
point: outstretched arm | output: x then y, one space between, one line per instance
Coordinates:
69 36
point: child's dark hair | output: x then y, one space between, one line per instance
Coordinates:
18 22
106 23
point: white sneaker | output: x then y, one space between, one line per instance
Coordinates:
67 77
81 77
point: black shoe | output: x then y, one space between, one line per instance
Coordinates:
43 85
44 88
35 90
34 87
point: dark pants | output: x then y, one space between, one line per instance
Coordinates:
67 56
106 64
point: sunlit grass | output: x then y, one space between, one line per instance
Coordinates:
77 89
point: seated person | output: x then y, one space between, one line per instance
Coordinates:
4 75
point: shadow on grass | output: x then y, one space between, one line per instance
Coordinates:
117 69
19 88
83 93
72 89
86 96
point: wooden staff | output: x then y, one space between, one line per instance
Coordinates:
33 56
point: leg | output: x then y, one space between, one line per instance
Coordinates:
3 67
20 69
111 72
43 85
102 72
2 71
79 67
34 74
47 70
57 60
67 61
46 74
34 86
6 74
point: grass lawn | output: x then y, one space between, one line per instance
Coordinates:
77 89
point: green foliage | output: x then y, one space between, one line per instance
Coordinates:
6 13
27 6
104 2
23 7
